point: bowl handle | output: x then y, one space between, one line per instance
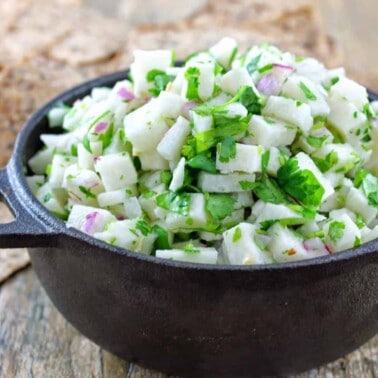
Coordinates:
26 230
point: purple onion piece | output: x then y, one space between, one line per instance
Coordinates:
100 127
125 94
88 226
269 85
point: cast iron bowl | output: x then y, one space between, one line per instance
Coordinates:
187 319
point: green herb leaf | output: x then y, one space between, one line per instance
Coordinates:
300 184
265 161
86 192
162 240
252 65
143 227
370 188
250 100
219 206
166 177
248 185
336 230
203 161
326 164
175 202
237 234
268 191
160 80
307 92
190 248
316 142
226 149
192 75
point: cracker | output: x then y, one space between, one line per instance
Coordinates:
11 261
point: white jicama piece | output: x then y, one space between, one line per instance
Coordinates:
351 91
201 123
169 104
358 203
145 127
195 255
126 234
214 183
89 219
269 132
272 212
240 247
35 182
285 246
247 159
52 199
303 89
199 80
289 110
115 197
58 166
85 159
236 78
117 171
342 233
224 51
178 176
39 162
171 144
144 62
305 162
152 160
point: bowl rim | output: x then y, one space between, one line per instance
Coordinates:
56 225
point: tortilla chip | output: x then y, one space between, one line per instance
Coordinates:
11 261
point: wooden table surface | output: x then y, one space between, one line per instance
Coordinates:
36 341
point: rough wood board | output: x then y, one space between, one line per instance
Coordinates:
36 341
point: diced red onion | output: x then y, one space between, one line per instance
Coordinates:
316 246
188 106
88 226
125 94
283 66
96 159
121 218
269 85
100 127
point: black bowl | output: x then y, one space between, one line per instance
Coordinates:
187 319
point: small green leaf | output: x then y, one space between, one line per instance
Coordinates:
192 75
336 230
175 202
219 206
237 234
143 227
190 248
252 65
226 149
162 240
86 192
307 92
203 161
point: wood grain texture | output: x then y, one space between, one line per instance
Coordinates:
36 341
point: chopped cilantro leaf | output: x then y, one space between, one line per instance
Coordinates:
47 197
250 100
86 192
316 142
265 161
166 177
203 161
336 230
219 206
248 185
252 65
268 190
334 80
160 80
301 184
192 75
237 234
370 188
175 202
162 240
190 248
327 163
307 92
143 227
265 68
226 149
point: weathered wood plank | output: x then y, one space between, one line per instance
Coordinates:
36 341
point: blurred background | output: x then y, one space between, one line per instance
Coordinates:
47 46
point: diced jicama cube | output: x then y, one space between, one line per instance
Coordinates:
312 69
214 183
289 110
269 132
303 89
82 184
240 247
276 157
247 159
351 92
117 171
53 199
347 156
129 235
39 162
341 233
58 166
199 80
196 218
201 123
144 128
89 219
169 105
358 203
60 142
236 78
171 144
56 115
132 208
152 160
178 176
273 212
345 117
115 197
243 199
85 159
194 255
35 182
144 62
285 245
148 203
224 51
370 234
305 162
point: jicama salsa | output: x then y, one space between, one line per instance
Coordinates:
234 157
